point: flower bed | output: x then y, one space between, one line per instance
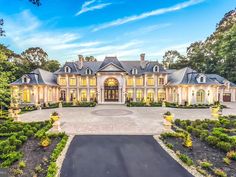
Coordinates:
25 148
80 104
213 149
143 104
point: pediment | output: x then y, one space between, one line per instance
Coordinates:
111 68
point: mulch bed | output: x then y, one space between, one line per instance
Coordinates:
202 151
34 155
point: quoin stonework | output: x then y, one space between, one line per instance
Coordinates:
115 81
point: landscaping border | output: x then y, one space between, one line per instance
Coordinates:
190 169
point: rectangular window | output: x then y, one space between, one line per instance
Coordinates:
62 81
83 95
139 95
72 81
130 81
130 95
92 95
139 81
150 81
83 81
161 81
92 81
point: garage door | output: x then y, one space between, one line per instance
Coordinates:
227 97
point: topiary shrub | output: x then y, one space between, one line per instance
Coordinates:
224 146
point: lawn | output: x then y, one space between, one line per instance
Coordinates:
208 145
27 150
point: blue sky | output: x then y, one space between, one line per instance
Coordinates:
122 28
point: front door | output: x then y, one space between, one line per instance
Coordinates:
111 90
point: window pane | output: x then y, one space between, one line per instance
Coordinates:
83 81
72 81
62 81
150 81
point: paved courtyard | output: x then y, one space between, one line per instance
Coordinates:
119 156
118 119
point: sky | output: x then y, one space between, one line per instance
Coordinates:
122 28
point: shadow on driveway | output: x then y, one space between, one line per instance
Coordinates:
119 156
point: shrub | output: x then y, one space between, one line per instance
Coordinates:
22 138
170 146
177 122
227 160
205 164
189 129
186 159
212 140
38 168
16 171
21 164
45 142
10 158
52 169
220 173
224 146
231 155
196 132
204 134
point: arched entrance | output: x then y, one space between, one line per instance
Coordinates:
111 90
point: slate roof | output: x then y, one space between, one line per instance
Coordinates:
220 79
188 76
127 66
38 77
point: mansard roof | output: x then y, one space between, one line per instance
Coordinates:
38 77
125 66
188 76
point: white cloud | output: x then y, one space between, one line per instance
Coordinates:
95 6
156 12
147 29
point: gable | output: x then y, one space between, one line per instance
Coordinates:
111 68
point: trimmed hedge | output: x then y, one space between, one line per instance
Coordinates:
52 168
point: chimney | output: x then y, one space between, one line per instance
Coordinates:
80 61
142 60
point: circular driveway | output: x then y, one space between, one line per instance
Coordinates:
118 119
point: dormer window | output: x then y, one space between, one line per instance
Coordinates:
25 80
134 71
88 71
156 68
67 69
201 79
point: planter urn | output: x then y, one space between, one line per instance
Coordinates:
56 123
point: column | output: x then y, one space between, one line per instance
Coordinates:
145 87
134 89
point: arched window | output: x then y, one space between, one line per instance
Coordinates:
134 71
200 96
88 71
156 68
67 69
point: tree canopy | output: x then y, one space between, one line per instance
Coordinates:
217 54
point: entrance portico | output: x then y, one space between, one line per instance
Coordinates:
111 87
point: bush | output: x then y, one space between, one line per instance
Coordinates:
52 169
220 173
231 155
177 122
136 104
170 146
227 160
224 146
204 134
206 165
212 140
10 158
189 129
186 159
21 164
196 132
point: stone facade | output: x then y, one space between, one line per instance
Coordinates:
114 81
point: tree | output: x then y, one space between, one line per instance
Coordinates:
52 65
170 58
2 32
90 58
35 57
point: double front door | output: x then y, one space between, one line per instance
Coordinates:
111 94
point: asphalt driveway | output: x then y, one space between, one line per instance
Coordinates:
119 156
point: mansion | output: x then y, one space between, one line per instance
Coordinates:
113 81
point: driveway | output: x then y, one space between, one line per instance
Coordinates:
119 156
117 119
